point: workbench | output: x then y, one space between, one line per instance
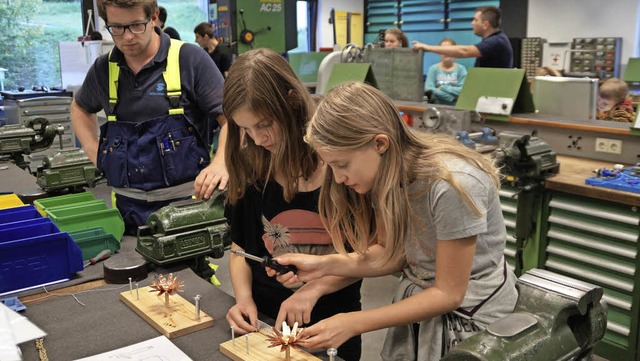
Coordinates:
103 322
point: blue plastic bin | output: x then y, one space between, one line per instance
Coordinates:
18 214
25 223
36 255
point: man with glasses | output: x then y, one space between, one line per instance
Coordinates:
163 101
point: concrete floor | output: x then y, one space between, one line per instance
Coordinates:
375 292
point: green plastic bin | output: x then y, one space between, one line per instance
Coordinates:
65 200
87 215
94 240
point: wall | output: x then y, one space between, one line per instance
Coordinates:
561 21
556 21
325 30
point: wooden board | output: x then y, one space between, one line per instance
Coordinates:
177 320
259 349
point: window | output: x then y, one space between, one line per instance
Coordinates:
303 28
29 40
32 29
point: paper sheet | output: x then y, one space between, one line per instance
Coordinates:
14 330
159 348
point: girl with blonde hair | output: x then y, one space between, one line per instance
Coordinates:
274 185
404 201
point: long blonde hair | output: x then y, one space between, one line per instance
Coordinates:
263 82
348 118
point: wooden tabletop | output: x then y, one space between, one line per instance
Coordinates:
571 179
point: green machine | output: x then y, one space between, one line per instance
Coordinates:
555 318
185 230
248 24
527 161
66 169
34 135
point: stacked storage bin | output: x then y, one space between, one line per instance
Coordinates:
33 252
90 223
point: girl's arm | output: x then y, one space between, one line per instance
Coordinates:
454 90
245 308
431 77
346 265
453 268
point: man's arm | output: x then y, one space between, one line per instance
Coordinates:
85 125
454 51
215 174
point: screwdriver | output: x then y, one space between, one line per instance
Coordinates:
267 261
104 254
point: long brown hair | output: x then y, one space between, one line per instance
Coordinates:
263 82
347 118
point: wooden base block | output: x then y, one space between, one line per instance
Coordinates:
177 320
259 350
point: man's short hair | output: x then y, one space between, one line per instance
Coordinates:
162 16
203 29
149 6
490 14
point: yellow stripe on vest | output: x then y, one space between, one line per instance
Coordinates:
171 77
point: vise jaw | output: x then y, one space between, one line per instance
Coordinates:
555 318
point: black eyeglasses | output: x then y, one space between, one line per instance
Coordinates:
135 28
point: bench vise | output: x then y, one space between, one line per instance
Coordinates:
66 169
35 135
185 230
484 136
555 318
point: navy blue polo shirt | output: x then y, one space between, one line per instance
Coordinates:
495 51
143 96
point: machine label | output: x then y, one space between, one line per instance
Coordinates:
271 6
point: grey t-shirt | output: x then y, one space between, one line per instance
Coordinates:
441 214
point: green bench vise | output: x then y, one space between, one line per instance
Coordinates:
185 230
555 318
35 135
67 169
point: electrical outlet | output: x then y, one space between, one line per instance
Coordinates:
604 145
615 146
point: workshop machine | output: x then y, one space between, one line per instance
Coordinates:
185 230
17 140
247 24
445 119
70 169
526 161
555 318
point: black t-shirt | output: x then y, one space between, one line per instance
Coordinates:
173 33
222 60
297 222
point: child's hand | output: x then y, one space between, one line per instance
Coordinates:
288 279
309 267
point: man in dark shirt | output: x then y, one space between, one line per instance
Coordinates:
162 18
205 37
163 101
494 51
